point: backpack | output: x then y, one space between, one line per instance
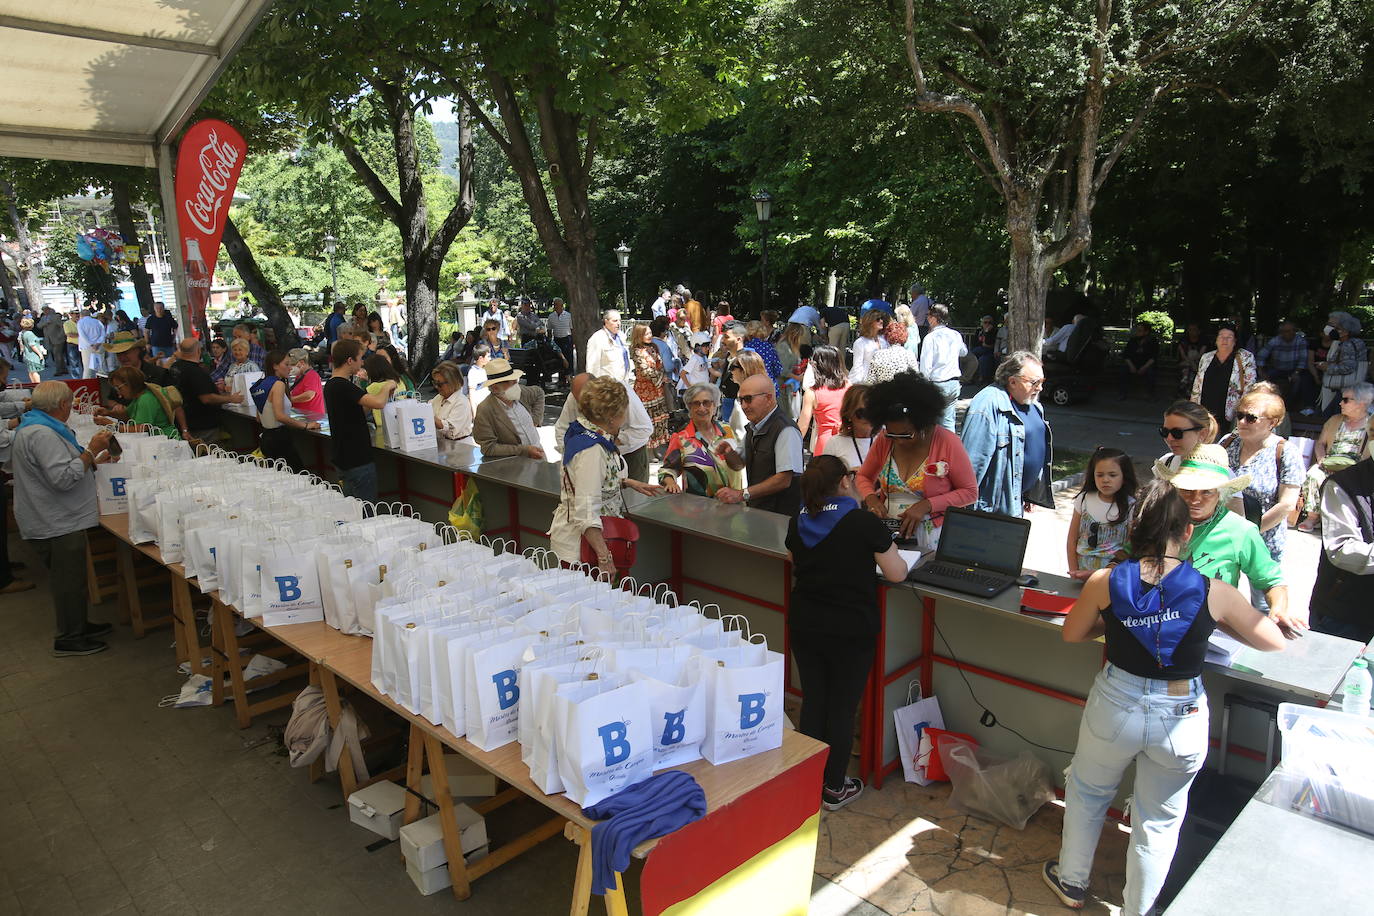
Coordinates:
261 389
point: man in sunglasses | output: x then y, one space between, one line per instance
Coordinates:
1008 439
772 452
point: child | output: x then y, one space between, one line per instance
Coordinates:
1097 534
698 368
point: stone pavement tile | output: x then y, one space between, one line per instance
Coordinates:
6 702
829 899
98 890
9 903
27 862
141 871
978 891
1030 893
169 899
74 848
1035 844
47 898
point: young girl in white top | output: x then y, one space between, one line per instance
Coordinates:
1101 513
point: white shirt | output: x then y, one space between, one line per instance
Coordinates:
660 307
520 418
940 354
697 371
848 449
864 348
608 356
560 325
1059 339
90 331
455 412
500 320
477 386
634 435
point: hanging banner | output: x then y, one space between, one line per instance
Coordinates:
208 165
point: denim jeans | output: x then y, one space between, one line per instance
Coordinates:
360 482
950 390
1130 719
727 408
162 351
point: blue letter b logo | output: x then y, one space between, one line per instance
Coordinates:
289 587
418 425
507 693
750 709
613 740
117 486
673 731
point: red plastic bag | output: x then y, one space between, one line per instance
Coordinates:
929 755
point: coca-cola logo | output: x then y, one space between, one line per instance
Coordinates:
217 161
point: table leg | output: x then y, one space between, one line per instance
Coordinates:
189 638
582 881
615 899
233 661
219 662
438 774
128 593
317 765
329 686
415 768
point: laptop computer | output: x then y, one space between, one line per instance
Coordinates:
980 553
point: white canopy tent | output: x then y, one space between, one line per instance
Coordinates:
114 81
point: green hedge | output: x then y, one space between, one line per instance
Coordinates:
1161 322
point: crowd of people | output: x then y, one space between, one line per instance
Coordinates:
861 451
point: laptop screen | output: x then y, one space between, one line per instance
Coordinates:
994 542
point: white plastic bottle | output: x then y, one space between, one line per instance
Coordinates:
1355 699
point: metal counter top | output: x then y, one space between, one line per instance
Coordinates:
754 530
1272 862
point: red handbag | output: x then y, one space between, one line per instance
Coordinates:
622 539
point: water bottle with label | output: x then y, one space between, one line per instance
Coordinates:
1355 699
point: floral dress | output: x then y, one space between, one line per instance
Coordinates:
648 367
1101 533
1265 479
1347 445
902 494
692 456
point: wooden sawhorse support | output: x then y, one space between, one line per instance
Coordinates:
225 658
349 780
135 573
426 748
184 626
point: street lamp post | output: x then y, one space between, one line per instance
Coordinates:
331 245
623 254
763 208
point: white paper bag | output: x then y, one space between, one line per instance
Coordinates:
112 487
605 742
415 422
243 383
492 674
911 722
744 695
290 586
677 711
143 493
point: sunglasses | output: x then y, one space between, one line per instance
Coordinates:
1093 529
1243 417
1176 432
1031 383
747 399
900 435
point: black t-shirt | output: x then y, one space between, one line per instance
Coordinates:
1128 654
835 585
161 331
350 444
192 381
729 388
835 315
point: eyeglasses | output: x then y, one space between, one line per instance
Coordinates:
1243 417
704 402
1176 432
747 399
1031 383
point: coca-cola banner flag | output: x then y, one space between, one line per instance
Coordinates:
208 166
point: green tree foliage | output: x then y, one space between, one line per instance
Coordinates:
63 265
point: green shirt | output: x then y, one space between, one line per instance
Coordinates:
1227 545
146 409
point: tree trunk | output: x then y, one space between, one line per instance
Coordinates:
1028 283
422 320
124 216
264 294
25 261
7 285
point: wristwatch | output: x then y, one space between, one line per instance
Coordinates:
744 494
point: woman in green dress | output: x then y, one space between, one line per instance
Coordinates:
32 350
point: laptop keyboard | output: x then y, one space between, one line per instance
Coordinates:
963 574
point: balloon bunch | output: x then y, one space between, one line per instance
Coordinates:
101 247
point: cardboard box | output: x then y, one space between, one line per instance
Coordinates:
422 843
379 807
466 779
437 878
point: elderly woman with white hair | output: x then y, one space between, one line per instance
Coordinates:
452 409
54 504
1342 442
691 464
1346 361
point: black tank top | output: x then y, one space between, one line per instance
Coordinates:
1151 645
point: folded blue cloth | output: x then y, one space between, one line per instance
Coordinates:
652 808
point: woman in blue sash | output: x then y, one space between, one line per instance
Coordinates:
593 477
832 619
1147 705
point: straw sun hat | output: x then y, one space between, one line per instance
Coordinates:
1206 467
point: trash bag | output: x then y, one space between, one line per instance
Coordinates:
1009 791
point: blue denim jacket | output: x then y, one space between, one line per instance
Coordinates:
995 439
